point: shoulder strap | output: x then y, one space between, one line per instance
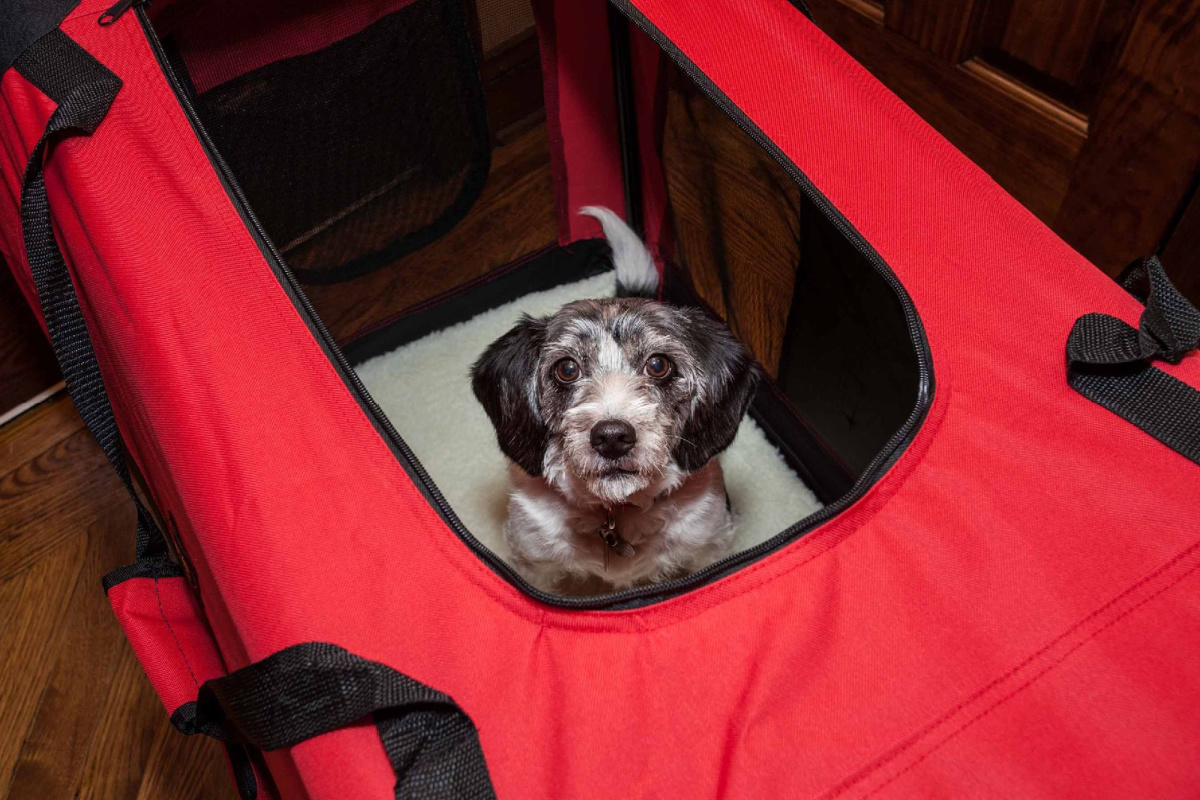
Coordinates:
84 90
1110 362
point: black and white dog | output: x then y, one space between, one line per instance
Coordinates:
612 412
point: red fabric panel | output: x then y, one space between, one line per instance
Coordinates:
23 117
958 632
581 112
223 39
166 628
650 97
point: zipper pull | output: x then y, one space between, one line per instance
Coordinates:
119 8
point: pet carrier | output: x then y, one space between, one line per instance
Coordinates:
969 489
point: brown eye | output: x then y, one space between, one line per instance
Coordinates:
566 370
658 366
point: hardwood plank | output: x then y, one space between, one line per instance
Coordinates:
69 483
27 365
115 763
32 605
78 717
186 768
512 83
1143 153
36 431
90 646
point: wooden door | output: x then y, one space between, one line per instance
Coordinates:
1087 111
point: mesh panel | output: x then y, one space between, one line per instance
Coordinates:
356 151
502 21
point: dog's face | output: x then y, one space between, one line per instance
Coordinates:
609 398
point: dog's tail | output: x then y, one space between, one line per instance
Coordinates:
637 276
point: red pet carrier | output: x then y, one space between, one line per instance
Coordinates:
992 593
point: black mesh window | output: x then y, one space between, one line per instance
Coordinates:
366 149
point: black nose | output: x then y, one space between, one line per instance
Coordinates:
613 438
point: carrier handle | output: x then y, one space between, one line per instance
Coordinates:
313 688
1109 361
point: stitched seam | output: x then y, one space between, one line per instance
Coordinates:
174 638
1049 668
878 764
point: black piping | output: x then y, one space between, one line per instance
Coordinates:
628 598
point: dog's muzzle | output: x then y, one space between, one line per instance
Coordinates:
613 438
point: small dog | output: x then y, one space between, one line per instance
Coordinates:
612 412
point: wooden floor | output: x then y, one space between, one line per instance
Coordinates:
78 718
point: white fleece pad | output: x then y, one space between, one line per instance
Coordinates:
425 390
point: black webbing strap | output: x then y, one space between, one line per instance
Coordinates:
1109 361
83 89
313 688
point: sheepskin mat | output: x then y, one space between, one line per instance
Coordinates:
425 390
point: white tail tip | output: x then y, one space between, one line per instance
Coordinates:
636 273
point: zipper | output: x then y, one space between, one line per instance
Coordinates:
118 9
627 598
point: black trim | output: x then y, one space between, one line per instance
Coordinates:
22 23
802 7
316 687
145 568
630 597
546 270
1110 362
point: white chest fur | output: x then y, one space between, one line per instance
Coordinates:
554 541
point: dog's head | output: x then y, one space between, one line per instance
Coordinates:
609 398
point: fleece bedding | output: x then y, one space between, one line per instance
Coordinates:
425 389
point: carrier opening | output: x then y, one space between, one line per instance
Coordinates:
412 180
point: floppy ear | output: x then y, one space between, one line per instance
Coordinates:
726 384
505 382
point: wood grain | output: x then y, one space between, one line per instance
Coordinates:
945 29
737 221
1181 255
1143 152
78 718
1086 112
1030 149
27 365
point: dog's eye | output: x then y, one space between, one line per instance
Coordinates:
658 366
566 370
